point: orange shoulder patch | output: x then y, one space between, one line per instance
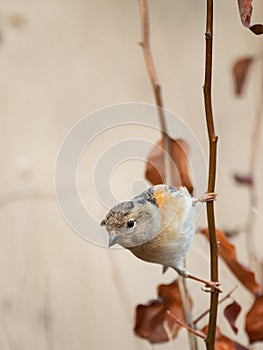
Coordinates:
159 199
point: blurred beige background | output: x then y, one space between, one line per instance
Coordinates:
59 61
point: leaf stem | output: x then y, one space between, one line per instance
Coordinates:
253 196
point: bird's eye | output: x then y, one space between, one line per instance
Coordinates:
130 223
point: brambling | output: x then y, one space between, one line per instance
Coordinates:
157 226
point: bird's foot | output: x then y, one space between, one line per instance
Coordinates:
211 287
208 197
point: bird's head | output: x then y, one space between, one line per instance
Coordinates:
133 222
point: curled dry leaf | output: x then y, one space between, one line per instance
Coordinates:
257 29
151 318
230 233
246 180
245 11
254 321
227 251
155 171
239 346
224 343
149 322
231 313
240 71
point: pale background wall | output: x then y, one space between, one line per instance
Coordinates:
65 60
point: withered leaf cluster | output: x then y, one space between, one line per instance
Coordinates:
178 159
152 320
227 251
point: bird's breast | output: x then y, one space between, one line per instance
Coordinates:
175 235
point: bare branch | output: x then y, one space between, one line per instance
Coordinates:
168 177
210 340
148 58
198 334
253 196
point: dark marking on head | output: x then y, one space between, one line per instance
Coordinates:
141 201
147 195
128 205
153 201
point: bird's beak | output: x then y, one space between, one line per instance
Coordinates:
113 239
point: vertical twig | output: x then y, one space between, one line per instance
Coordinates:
148 58
253 198
146 47
187 311
119 285
47 318
210 340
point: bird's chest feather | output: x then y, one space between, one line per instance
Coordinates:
174 213
174 236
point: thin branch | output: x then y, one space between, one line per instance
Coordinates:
228 295
148 58
47 318
210 340
123 295
188 317
166 144
198 334
253 196
168 331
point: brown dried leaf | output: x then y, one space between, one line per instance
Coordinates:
155 171
254 321
231 313
230 233
149 322
150 318
240 71
245 11
224 343
257 29
246 180
227 251
239 346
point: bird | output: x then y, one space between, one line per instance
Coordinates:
158 226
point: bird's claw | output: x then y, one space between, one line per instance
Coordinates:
211 287
208 197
